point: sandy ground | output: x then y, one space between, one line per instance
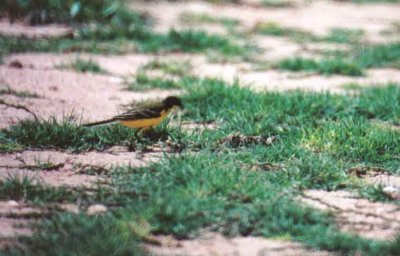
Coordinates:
258 80
368 219
215 244
63 91
43 31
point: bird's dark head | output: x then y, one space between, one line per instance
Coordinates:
173 101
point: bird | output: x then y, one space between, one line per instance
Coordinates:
145 116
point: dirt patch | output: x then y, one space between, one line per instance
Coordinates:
13 209
42 31
375 220
14 220
384 179
281 81
215 244
118 65
69 168
276 48
111 157
375 175
13 227
54 178
16 217
95 88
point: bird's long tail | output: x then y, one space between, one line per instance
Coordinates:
100 122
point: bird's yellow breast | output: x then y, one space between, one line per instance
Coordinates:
145 122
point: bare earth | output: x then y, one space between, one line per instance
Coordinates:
374 220
63 91
215 244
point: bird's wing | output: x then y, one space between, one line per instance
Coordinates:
141 113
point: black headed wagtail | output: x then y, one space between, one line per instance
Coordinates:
145 116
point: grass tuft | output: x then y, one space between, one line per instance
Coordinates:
327 66
277 3
66 135
274 29
174 68
118 40
24 187
336 35
84 66
141 82
204 18
374 193
385 55
20 94
69 234
344 36
59 11
70 136
352 86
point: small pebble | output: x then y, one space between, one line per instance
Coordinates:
392 192
96 209
116 80
13 203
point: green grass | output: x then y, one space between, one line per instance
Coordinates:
22 187
69 234
20 94
385 55
326 67
110 41
175 68
142 82
374 193
9 147
335 35
351 86
182 195
59 11
351 62
274 29
169 76
193 18
84 66
277 3
319 136
192 41
344 36
380 103
209 100
355 140
393 29
67 135
378 56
